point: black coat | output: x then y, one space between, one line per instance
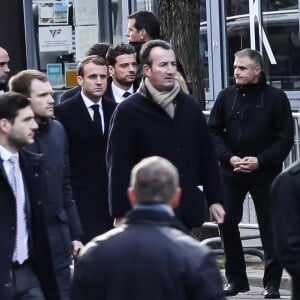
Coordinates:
87 150
150 257
63 221
141 128
33 169
254 120
285 195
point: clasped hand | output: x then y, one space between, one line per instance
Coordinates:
246 164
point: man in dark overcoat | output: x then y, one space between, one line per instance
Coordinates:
87 138
160 119
27 267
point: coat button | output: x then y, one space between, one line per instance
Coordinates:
36 175
7 285
39 202
12 227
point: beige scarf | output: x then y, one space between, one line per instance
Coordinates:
164 99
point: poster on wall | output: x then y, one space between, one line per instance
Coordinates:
55 38
53 12
54 74
86 12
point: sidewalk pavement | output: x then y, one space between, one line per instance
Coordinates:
255 270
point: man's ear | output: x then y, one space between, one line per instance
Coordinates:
146 70
5 125
143 35
80 80
131 196
111 70
175 201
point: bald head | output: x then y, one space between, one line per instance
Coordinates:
4 69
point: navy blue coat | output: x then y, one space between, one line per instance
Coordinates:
141 128
63 221
152 256
33 169
87 150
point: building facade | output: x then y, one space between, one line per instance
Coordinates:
53 35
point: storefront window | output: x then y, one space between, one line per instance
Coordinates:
276 37
281 25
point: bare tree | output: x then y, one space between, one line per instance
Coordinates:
180 23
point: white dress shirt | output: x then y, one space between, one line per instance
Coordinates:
88 103
6 155
118 93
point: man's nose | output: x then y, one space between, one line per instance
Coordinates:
6 69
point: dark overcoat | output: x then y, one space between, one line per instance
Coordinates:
62 217
141 128
33 169
285 195
87 150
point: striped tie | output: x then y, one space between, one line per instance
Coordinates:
21 249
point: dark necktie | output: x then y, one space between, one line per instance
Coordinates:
126 94
97 117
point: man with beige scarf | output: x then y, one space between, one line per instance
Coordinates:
160 119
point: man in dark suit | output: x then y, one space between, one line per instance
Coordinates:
64 227
86 119
152 256
121 62
27 270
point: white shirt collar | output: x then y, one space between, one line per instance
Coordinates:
118 92
88 103
6 154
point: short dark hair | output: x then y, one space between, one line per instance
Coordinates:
21 82
154 180
254 55
148 46
148 21
115 51
99 49
95 59
10 104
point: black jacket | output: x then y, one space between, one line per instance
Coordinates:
62 216
150 257
141 128
285 195
33 169
253 120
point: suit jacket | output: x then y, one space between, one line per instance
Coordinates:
87 150
33 169
150 257
63 220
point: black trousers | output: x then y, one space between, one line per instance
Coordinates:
235 266
26 284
